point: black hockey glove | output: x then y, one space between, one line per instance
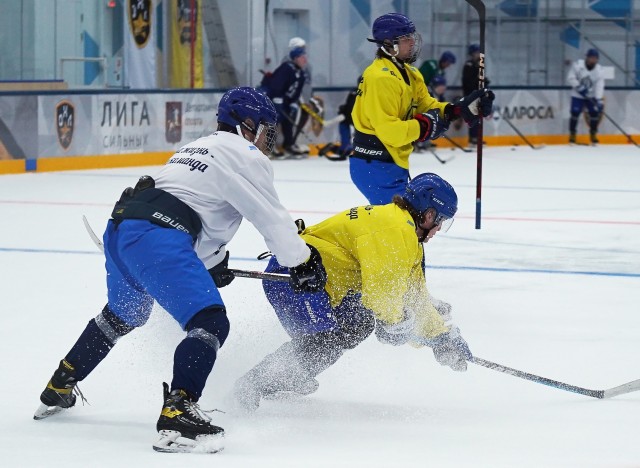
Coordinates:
472 107
309 276
300 225
432 126
221 274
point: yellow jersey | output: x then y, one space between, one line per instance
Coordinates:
386 103
374 250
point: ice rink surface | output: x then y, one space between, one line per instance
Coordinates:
549 285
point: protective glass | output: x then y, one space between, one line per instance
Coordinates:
444 222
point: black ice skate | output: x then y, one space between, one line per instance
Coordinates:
594 138
184 427
60 392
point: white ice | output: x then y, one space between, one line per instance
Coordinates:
549 285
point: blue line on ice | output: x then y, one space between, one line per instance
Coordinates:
433 267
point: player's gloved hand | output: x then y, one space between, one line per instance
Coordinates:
486 103
443 308
309 276
472 107
300 225
398 333
318 105
221 274
432 126
450 349
582 90
598 105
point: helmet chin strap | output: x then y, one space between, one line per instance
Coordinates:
393 57
256 133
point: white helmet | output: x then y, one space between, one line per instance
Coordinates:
295 42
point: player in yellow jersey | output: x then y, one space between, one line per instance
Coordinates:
373 259
393 110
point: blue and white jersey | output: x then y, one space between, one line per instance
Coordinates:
225 178
285 84
593 79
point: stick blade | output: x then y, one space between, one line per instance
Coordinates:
96 240
622 389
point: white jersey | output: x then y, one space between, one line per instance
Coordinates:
593 79
224 178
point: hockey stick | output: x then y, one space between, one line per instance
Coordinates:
620 128
315 116
457 145
240 273
440 160
96 240
295 127
478 5
515 129
601 394
260 275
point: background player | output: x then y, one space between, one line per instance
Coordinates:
393 109
587 90
432 68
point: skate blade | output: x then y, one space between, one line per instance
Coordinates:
45 411
173 442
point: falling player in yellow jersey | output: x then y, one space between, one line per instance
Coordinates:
373 259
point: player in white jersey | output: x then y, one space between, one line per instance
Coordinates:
166 241
587 89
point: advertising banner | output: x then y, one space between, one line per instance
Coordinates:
64 125
122 123
139 44
81 124
185 19
18 125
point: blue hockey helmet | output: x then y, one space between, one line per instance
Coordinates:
239 104
297 52
473 48
391 26
429 190
438 80
448 56
593 53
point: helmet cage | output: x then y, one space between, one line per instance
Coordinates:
271 133
388 45
249 109
270 130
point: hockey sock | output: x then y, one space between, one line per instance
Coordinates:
195 355
573 123
95 342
